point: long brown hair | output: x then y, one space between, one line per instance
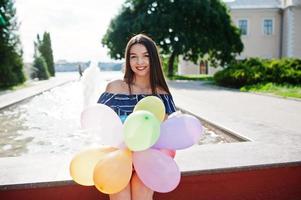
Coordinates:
157 79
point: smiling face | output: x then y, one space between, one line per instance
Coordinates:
142 60
139 60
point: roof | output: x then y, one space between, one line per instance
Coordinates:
248 4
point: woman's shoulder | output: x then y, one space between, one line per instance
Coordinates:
117 86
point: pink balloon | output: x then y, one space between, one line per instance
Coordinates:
171 153
102 120
179 132
156 170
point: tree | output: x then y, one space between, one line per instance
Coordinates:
36 45
45 49
39 63
11 63
2 21
120 30
193 28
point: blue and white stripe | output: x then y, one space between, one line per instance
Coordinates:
123 104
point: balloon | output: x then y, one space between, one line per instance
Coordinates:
156 170
179 132
113 173
105 122
152 104
82 165
171 153
141 130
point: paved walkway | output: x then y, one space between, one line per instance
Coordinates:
254 116
9 97
272 126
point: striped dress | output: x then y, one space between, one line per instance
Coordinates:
123 104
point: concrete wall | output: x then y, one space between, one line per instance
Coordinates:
213 70
281 183
297 32
187 67
286 41
256 43
292 32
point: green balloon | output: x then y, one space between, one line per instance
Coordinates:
141 130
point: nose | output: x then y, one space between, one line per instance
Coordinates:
140 60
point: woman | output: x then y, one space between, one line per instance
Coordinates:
143 76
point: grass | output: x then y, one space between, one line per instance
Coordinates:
193 77
13 88
284 90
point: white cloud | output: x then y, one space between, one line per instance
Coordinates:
76 27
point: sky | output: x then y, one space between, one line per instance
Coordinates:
76 27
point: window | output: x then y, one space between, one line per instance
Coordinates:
268 26
243 26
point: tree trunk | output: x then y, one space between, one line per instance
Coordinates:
170 64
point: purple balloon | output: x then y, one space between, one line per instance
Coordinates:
156 170
179 132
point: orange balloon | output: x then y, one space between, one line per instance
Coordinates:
82 165
113 173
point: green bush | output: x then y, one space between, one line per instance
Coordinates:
254 70
286 70
41 66
241 73
11 70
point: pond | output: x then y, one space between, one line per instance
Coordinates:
49 123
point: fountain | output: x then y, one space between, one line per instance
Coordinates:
91 82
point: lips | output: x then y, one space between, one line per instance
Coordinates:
141 68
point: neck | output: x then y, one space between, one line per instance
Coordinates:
142 83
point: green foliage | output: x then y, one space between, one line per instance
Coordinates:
286 70
164 60
11 69
39 63
11 63
254 70
193 77
194 29
284 90
42 48
45 49
2 21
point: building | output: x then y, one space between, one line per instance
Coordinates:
270 29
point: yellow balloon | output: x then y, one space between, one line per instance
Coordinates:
152 104
82 165
113 173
